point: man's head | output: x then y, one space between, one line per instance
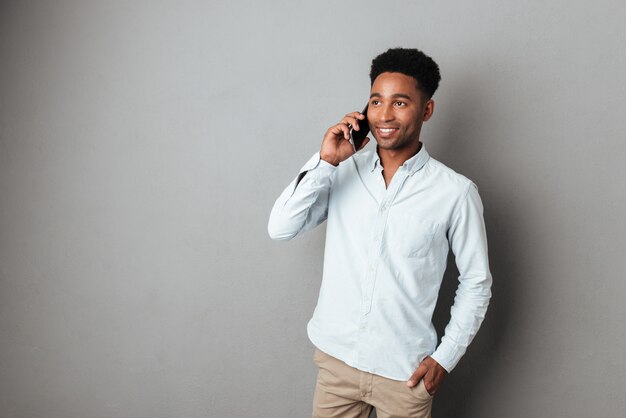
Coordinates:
403 82
411 62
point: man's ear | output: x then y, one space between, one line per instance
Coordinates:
429 108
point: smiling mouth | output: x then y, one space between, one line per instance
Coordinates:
385 132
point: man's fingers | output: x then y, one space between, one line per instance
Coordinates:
352 120
341 129
429 384
356 115
346 131
432 383
430 389
416 376
434 375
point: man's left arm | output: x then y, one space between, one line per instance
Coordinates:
468 241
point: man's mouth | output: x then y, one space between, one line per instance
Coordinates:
385 131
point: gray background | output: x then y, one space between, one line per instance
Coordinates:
142 145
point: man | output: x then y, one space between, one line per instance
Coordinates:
392 214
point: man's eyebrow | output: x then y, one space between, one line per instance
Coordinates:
393 96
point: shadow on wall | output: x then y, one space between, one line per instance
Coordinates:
468 382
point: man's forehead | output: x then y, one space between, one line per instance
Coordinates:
391 84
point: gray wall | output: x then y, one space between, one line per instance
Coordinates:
142 145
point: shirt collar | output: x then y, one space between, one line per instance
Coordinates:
413 164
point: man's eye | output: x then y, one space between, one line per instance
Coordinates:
400 104
375 102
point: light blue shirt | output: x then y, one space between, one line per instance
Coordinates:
385 257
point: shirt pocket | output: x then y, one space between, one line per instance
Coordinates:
412 236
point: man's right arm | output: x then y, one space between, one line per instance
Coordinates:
304 203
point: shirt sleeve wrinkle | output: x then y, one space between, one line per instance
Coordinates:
304 202
469 244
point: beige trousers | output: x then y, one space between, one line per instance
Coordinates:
343 391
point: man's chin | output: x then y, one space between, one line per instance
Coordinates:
387 145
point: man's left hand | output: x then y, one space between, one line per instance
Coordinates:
432 373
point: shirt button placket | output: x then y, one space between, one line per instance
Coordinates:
370 276
368 291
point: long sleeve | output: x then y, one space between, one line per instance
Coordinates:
468 241
304 203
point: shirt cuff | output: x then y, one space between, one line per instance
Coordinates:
316 161
316 168
448 354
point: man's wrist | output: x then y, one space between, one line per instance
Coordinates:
329 160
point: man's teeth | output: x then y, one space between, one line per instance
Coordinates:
386 130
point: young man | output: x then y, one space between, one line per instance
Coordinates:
392 214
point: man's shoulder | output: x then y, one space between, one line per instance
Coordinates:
447 176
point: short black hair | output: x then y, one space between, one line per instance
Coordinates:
411 62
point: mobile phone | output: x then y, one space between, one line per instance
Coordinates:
357 137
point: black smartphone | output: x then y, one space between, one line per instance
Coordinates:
357 137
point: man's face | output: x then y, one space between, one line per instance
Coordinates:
396 111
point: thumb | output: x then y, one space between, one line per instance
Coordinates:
419 373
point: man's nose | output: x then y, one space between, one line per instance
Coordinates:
387 113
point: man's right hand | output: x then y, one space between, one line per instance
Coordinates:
336 145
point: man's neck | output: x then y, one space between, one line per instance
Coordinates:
391 160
